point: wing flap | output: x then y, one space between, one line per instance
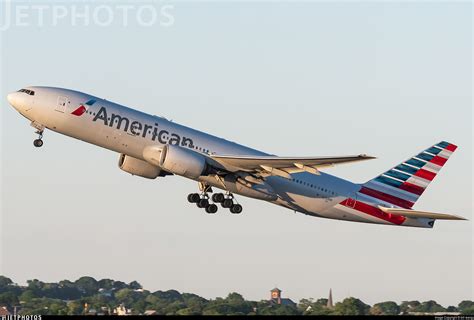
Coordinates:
286 164
420 214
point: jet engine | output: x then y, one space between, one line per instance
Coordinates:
139 167
183 162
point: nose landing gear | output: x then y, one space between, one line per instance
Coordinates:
38 143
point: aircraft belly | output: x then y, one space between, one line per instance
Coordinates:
340 212
298 197
260 192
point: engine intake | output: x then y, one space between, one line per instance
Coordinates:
183 162
139 167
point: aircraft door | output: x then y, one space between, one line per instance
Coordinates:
61 104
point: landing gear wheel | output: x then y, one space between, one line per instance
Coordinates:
228 203
218 198
38 143
203 203
211 209
194 198
236 209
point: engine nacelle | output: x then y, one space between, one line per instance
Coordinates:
138 167
183 162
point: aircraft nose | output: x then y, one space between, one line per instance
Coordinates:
11 98
17 101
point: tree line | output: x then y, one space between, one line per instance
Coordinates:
87 294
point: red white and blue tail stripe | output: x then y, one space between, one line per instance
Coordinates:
403 185
400 187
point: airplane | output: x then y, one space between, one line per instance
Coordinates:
151 146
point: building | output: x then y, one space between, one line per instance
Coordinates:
122 311
150 313
276 299
330 304
4 312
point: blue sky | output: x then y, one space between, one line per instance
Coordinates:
290 78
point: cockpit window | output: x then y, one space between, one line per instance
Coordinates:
30 92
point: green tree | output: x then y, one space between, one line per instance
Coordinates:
168 295
36 286
385 308
279 310
318 310
139 305
195 303
68 290
9 299
351 307
125 296
314 308
27 296
45 306
187 312
107 284
429 307
304 304
88 285
409 306
58 307
466 304
172 308
234 304
97 301
468 311
119 285
74 308
5 282
134 285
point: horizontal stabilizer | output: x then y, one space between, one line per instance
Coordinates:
420 214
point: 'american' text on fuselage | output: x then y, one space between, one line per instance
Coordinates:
137 128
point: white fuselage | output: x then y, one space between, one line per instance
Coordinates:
128 131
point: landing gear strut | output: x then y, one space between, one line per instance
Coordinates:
38 143
226 200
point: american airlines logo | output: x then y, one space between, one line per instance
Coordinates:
82 109
137 128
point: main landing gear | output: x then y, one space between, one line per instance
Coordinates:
38 143
226 200
202 201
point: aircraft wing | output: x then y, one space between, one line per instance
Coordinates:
282 166
420 214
